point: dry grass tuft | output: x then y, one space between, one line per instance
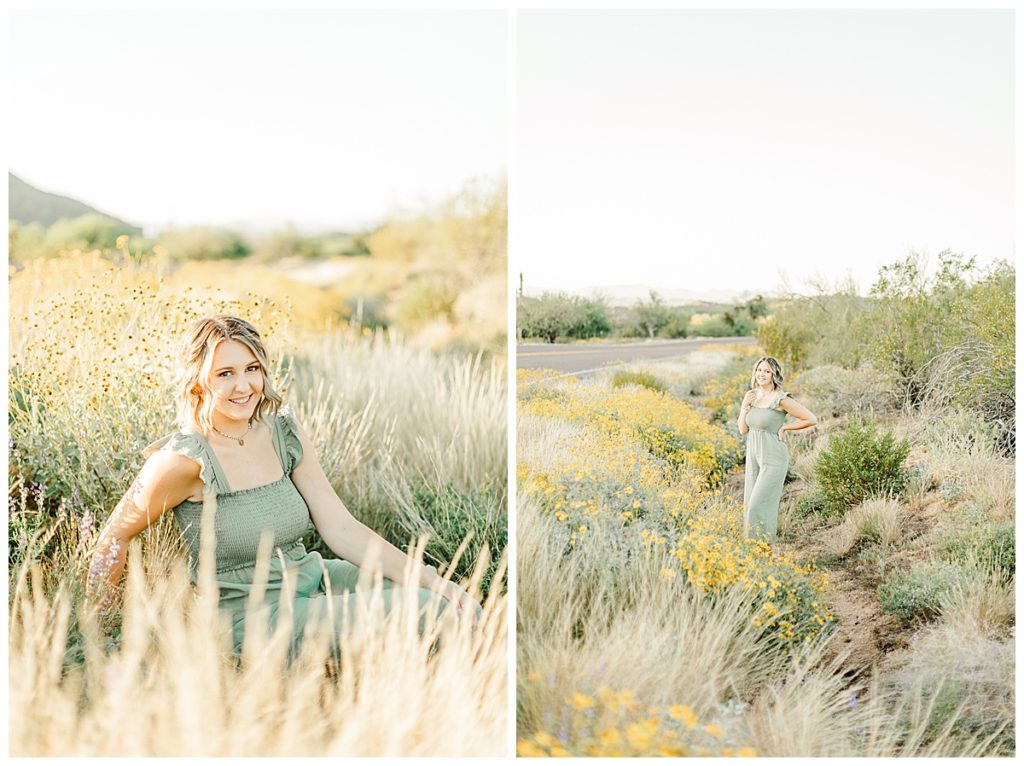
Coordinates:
876 520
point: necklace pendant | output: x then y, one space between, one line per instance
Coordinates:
241 442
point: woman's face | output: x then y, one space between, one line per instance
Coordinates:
763 375
236 380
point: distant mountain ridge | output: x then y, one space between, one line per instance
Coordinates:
27 204
626 295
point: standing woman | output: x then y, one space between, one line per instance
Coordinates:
763 420
237 441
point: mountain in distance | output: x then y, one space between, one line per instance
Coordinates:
27 204
627 295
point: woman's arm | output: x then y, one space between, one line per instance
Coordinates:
166 479
804 417
741 422
348 537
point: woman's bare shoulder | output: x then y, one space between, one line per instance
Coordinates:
171 472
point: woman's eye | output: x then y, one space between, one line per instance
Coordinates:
254 368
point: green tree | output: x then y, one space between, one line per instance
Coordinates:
908 317
652 314
557 315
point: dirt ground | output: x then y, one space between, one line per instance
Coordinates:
867 640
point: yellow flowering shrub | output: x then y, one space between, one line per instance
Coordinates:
641 472
724 395
666 427
714 555
607 723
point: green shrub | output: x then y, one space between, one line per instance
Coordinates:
859 462
810 502
203 243
714 327
917 593
644 379
991 544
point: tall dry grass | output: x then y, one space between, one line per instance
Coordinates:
167 684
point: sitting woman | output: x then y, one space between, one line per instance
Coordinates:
240 444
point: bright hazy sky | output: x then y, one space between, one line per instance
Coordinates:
720 149
329 119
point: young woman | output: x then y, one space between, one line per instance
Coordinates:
240 444
763 420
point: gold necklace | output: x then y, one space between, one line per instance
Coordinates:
239 439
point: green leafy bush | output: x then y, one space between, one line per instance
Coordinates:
917 593
200 243
631 378
810 502
860 462
992 544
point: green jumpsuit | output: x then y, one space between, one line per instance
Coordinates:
767 463
240 519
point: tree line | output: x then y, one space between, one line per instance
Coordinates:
555 316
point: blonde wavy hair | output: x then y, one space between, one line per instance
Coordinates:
193 395
776 372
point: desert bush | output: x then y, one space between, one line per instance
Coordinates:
423 299
945 336
83 233
203 243
813 331
859 462
967 465
637 378
991 543
704 326
837 391
918 592
677 326
787 342
810 502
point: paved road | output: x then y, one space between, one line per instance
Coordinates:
586 359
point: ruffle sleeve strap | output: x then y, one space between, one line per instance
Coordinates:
286 439
778 399
191 446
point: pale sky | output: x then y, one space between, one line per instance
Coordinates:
326 119
721 149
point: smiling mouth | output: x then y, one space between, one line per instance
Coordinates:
242 402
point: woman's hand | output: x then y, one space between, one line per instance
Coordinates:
748 400
462 601
782 431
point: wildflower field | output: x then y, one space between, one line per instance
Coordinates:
648 625
413 441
